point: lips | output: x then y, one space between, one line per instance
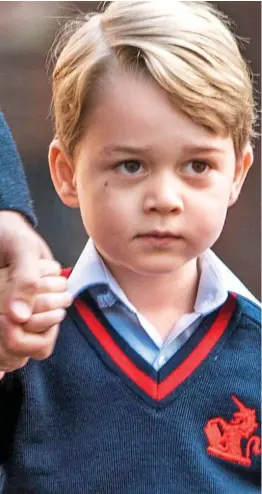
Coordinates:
160 234
159 239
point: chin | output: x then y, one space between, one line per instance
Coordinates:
158 267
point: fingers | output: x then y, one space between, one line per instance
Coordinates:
18 345
47 281
32 273
45 268
52 290
39 323
49 268
33 339
18 306
21 249
46 352
51 301
52 284
21 294
23 276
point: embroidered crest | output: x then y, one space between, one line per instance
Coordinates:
233 440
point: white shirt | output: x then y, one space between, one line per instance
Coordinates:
216 280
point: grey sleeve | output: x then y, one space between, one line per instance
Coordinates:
14 193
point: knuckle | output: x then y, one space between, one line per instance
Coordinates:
56 267
11 342
49 267
51 337
52 285
29 283
9 337
48 344
46 284
63 285
29 327
64 281
45 352
49 285
43 303
48 304
57 316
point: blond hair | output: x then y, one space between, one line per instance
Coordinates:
185 46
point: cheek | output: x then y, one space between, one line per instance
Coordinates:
209 215
105 212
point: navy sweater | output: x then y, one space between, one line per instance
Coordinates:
96 418
14 194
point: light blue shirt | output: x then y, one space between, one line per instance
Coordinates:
216 280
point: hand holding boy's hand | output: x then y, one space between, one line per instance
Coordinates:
36 337
21 247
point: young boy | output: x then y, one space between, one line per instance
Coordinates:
153 385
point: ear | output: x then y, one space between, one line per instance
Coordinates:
62 174
243 165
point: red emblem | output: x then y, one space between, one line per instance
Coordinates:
233 440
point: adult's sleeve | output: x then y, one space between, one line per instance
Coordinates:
14 193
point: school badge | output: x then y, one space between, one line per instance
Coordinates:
234 440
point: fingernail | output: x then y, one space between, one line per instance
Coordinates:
21 309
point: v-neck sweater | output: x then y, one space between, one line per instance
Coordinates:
96 418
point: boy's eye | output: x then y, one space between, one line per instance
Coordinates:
131 167
196 168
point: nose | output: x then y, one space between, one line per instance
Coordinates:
164 194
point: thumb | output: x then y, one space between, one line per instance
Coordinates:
22 284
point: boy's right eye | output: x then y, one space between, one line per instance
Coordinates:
130 167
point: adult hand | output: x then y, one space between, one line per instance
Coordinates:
35 338
33 297
20 248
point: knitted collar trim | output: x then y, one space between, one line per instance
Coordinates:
156 387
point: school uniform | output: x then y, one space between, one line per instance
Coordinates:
116 410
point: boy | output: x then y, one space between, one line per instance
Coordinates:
153 384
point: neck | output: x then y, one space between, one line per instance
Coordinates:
159 297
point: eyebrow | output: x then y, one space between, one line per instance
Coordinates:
203 149
125 149
146 149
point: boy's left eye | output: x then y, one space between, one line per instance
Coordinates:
195 167
131 167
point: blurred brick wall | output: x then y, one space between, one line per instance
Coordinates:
27 30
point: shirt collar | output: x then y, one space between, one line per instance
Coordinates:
216 280
90 271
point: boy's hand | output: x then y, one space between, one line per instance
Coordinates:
36 337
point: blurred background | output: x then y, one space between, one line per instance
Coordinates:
27 30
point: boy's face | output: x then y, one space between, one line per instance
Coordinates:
153 186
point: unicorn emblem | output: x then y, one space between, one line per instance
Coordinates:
233 440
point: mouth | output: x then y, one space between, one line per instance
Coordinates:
159 238
160 234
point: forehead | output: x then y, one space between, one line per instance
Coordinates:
137 112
